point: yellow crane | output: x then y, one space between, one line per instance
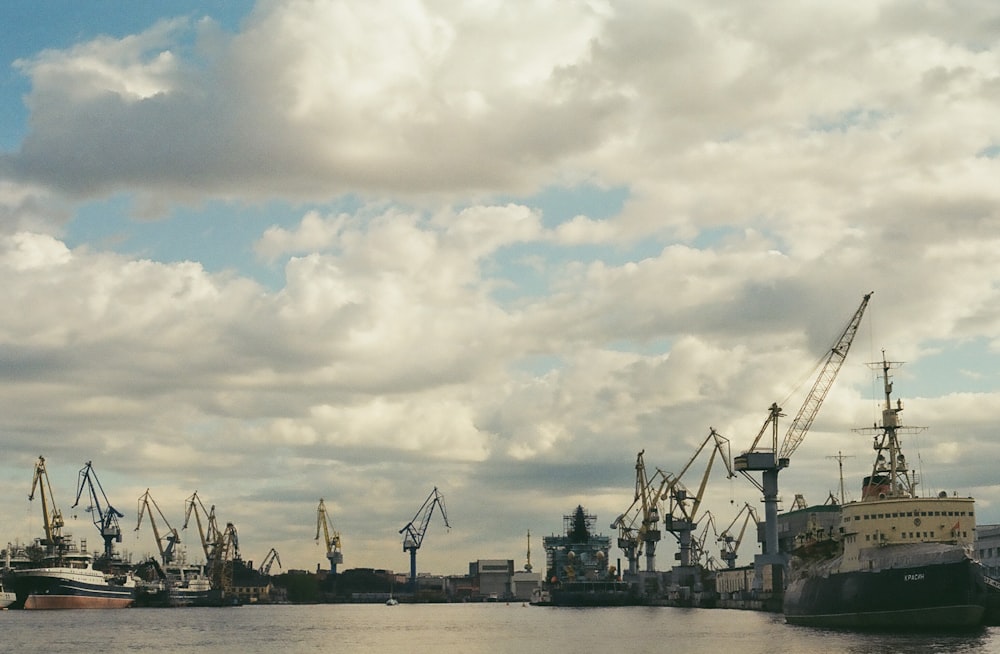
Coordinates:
54 541
331 537
638 527
682 512
208 532
147 505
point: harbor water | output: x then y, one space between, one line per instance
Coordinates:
494 628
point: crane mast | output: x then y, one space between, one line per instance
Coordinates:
106 516
55 542
331 537
771 461
414 533
148 505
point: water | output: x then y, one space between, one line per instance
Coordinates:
445 628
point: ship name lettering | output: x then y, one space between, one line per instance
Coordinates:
916 576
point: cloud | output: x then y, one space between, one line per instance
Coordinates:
449 331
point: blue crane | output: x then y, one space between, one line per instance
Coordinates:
414 535
105 516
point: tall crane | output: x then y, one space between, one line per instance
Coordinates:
414 533
164 543
638 527
770 461
55 542
331 537
730 544
105 516
208 532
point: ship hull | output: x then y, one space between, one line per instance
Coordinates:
51 592
941 596
594 593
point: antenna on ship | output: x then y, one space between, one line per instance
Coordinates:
840 462
527 566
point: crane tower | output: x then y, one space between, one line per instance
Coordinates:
331 537
417 528
105 515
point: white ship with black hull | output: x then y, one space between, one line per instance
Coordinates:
69 581
895 560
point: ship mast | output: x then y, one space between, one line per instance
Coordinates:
890 475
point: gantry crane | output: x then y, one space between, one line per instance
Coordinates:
169 540
414 533
105 516
331 537
55 542
271 558
208 532
770 461
731 545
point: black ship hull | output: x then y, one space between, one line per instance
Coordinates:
940 596
594 593
51 591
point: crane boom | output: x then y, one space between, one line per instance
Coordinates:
105 517
834 360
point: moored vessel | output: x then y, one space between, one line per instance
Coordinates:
578 571
70 581
893 559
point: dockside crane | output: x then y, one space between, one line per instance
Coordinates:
415 530
770 461
682 509
164 543
331 537
55 542
208 532
730 544
104 515
638 527
271 558
226 551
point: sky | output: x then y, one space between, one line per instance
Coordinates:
274 252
